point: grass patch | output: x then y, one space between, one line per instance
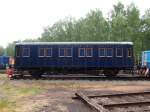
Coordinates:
8 88
6 105
29 91
12 93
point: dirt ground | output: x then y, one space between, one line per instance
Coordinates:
56 95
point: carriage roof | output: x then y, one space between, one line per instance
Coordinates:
74 43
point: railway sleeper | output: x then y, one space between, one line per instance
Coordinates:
138 103
101 107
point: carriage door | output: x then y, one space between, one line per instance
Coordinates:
69 55
119 61
26 56
128 57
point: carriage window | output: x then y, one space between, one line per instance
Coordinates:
129 52
101 52
109 52
68 52
18 51
89 52
65 52
119 52
48 52
61 52
41 52
81 52
26 52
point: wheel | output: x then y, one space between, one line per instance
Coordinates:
110 73
36 74
21 74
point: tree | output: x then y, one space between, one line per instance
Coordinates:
2 51
10 49
118 23
95 26
133 29
30 40
145 29
118 10
60 31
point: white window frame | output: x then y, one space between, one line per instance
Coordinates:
79 52
45 53
66 50
121 53
39 52
91 52
28 52
104 52
128 52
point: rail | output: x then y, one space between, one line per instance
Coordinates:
100 106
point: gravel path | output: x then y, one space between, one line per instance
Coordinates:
60 100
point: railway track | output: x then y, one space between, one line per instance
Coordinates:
83 77
117 102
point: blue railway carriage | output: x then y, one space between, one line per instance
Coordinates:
146 59
4 61
145 64
45 57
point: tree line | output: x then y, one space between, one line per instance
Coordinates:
121 24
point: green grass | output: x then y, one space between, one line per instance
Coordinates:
27 91
9 88
11 94
6 105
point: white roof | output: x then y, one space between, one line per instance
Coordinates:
68 43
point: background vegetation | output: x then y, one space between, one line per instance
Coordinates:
122 24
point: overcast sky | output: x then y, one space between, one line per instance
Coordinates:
21 19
